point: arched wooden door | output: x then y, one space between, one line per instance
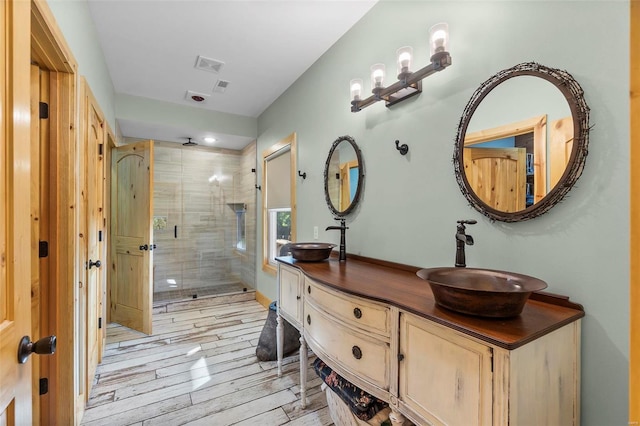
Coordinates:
131 290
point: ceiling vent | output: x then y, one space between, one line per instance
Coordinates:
196 97
208 64
221 86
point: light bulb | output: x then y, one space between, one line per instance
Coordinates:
377 75
356 89
439 38
404 59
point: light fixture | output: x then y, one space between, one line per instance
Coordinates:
409 83
209 139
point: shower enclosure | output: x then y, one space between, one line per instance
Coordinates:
204 221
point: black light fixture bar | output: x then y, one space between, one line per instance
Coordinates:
406 86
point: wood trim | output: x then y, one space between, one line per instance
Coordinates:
634 280
291 143
48 46
263 300
36 216
511 129
50 51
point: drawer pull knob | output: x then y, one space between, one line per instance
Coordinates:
400 357
357 313
298 297
309 319
357 352
309 289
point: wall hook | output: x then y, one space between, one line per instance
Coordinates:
258 187
302 175
404 148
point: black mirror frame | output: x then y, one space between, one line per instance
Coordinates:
574 95
356 197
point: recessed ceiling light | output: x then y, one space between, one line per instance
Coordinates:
209 139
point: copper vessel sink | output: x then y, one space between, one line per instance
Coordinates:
311 252
481 292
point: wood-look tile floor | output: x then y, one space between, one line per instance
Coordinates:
199 368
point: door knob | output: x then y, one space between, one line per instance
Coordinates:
152 246
44 346
144 247
97 264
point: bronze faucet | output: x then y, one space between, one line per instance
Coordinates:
463 239
343 244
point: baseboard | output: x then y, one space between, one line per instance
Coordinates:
262 299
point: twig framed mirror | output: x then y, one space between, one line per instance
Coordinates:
522 142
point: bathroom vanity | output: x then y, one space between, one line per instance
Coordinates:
377 325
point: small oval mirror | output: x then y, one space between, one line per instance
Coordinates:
343 176
522 142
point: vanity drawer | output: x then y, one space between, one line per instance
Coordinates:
365 357
366 315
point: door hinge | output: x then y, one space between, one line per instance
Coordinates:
100 148
99 323
44 110
44 385
43 249
99 236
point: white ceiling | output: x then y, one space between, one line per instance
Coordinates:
151 48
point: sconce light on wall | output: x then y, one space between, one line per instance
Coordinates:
409 83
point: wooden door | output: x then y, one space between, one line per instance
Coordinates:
497 176
132 236
15 226
560 147
94 147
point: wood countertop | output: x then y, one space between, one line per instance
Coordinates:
398 285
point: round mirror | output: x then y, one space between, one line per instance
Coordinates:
343 176
522 142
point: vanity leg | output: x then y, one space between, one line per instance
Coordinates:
303 372
397 419
279 343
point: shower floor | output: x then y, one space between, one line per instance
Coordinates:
189 293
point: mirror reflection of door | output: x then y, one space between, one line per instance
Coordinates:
348 183
560 147
497 176
529 136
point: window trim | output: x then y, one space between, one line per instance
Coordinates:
289 143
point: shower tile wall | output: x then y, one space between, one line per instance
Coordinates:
204 254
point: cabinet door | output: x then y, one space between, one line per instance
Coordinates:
290 295
445 378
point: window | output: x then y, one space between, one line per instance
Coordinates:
278 199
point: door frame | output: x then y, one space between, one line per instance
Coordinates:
51 52
634 250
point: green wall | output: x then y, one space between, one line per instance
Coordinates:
410 204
